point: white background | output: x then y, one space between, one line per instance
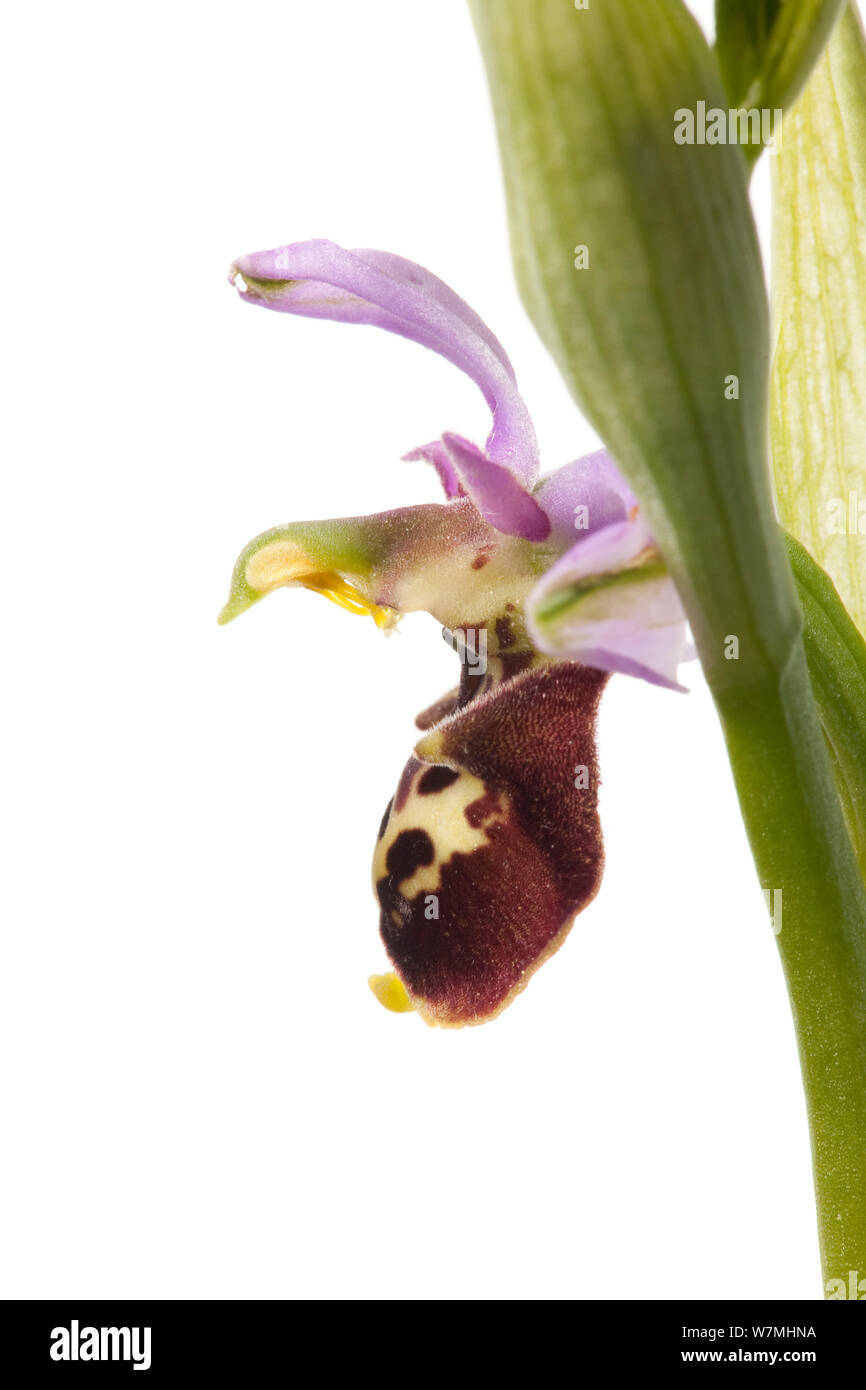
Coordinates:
200 1096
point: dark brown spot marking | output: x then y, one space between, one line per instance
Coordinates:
504 632
436 779
481 559
411 850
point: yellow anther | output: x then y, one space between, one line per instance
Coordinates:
345 595
391 993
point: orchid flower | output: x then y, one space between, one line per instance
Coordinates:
545 585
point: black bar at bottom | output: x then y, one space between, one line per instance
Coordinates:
240 1341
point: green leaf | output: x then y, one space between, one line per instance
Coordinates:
836 654
818 399
767 48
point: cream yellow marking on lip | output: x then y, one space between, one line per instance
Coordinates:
391 993
442 816
283 563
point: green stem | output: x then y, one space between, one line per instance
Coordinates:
800 845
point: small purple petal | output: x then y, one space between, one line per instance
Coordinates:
436 453
585 496
499 496
659 650
319 279
609 602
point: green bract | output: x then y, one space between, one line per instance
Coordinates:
766 49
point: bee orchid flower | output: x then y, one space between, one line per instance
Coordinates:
545 585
